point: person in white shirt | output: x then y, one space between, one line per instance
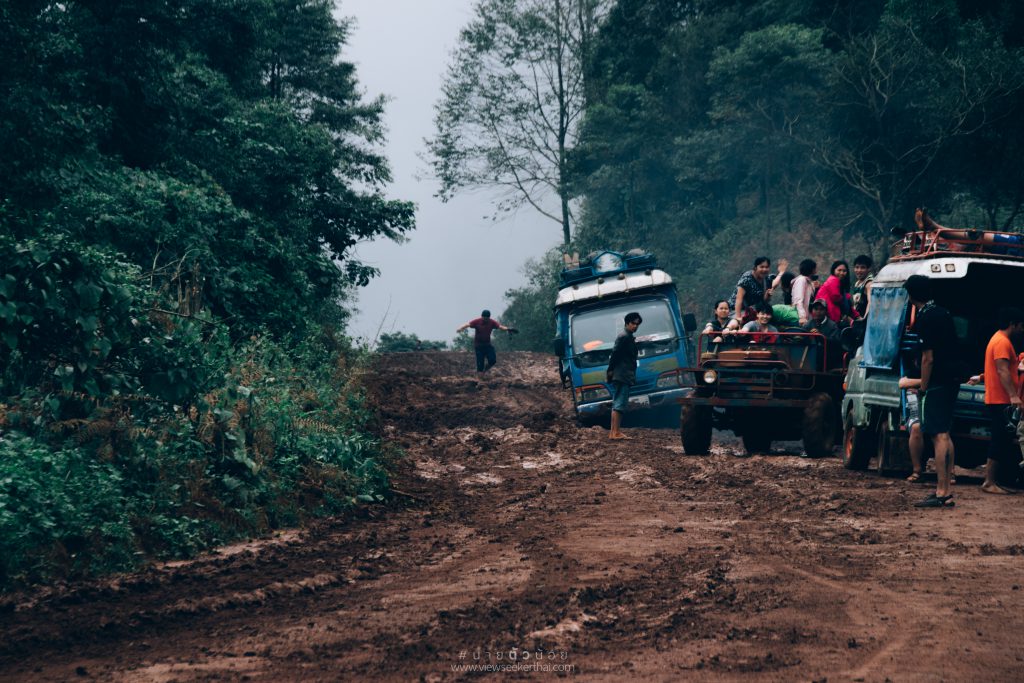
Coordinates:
803 289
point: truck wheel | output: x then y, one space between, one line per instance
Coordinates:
695 426
819 426
858 445
587 421
882 446
757 443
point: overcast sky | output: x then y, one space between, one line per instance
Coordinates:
457 262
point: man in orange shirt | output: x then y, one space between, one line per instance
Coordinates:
1000 394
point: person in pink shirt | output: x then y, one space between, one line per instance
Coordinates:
836 293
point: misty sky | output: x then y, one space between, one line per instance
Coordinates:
457 262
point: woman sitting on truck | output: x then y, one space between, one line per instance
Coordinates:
720 317
836 294
751 289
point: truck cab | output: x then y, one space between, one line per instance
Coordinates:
974 273
594 296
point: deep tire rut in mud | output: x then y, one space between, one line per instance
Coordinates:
518 539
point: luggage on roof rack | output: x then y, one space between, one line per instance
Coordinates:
932 238
605 263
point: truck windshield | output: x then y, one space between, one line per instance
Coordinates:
594 332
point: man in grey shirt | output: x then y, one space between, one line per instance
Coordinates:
622 371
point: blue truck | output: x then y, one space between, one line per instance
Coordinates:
594 296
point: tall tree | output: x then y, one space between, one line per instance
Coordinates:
224 144
512 101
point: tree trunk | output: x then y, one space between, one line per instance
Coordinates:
563 123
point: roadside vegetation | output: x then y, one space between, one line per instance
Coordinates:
181 188
712 132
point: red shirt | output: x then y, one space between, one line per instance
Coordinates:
483 328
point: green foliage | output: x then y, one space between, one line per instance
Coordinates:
268 442
224 142
61 512
66 312
713 132
396 342
181 189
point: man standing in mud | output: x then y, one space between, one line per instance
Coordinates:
622 371
482 328
1001 393
939 384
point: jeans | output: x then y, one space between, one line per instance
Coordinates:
485 353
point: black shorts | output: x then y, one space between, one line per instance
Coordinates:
1003 447
937 409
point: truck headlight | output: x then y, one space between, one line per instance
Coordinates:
595 392
710 376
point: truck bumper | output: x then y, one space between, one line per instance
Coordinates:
746 402
655 400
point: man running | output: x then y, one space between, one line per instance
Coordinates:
482 328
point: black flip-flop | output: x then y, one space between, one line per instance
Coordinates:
934 501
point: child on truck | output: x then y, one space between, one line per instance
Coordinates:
761 331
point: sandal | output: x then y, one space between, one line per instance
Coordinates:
914 477
934 501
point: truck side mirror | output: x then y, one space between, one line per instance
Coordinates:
689 322
558 347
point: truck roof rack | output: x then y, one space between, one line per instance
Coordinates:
931 239
605 264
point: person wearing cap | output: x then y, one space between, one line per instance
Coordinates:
482 328
820 323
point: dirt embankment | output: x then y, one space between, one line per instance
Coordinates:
522 540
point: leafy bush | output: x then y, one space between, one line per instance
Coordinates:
270 443
178 213
400 341
62 512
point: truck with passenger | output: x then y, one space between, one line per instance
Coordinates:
594 296
764 388
973 274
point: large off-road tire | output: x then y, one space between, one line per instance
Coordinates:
819 428
757 442
695 427
858 445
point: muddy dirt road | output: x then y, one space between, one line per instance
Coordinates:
521 539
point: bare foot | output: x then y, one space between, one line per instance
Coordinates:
618 436
994 489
